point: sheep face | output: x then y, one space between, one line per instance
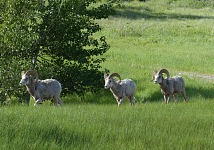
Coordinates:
25 80
108 83
158 78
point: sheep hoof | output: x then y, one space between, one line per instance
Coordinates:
36 105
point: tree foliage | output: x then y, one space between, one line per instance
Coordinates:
54 37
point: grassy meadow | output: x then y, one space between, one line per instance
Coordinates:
144 36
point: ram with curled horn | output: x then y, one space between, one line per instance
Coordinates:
120 89
41 90
170 85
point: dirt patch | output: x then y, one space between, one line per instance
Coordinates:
208 77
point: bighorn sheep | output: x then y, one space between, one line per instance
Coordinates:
41 90
120 89
169 86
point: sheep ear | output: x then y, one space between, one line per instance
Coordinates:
105 75
153 75
22 73
155 71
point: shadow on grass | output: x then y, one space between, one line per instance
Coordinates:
154 97
102 97
106 97
200 92
135 13
61 137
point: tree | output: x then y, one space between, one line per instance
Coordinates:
57 39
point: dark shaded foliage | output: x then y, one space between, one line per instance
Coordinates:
55 38
135 13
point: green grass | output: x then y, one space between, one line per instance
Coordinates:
153 35
177 35
146 126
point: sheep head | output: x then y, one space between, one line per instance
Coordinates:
109 80
28 77
158 76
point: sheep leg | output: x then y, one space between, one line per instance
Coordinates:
118 100
38 101
166 98
121 100
56 100
132 101
60 101
184 95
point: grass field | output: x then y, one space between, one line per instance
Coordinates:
147 126
143 37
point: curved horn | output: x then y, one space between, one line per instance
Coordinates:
22 73
114 75
32 73
164 71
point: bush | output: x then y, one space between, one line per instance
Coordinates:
55 38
